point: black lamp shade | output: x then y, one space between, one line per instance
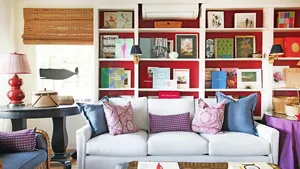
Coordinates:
277 50
135 50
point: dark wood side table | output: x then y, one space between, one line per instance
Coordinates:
18 116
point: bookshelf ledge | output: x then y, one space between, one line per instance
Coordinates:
236 59
116 30
172 60
236 29
233 90
169 29
289 58
181 90
286 29
116 89
286 89
115 60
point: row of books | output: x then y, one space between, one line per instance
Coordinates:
115 78
231 78
161 78
111 46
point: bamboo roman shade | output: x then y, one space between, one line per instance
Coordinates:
58 26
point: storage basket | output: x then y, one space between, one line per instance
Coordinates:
167 24
45 98
280 102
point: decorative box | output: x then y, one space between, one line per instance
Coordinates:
45 98
167 24
292 47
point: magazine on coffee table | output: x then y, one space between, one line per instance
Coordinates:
157 165
248 165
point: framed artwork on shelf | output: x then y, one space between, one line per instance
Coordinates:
159 47
249 78
231 77
187 45
224 47
108 46
244 46
210 48
245 20
127 78
123 47
215 19
182 77
170 46
110 20
124 20
279 76
160 75
170 84
285 19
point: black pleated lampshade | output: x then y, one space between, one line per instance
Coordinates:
135 50
276 50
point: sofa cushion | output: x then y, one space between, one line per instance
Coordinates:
177 143
18 141
23 160
171 106
178 122
139 107
236 144
130 144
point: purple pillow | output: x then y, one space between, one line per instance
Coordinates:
178 122
18 141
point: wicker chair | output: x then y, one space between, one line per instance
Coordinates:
46 163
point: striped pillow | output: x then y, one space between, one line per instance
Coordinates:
18 141
178 122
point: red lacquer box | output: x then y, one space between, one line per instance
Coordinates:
292 47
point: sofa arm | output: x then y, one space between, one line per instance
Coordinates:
82 136
272 136
46 141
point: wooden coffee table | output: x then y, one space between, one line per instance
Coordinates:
187 165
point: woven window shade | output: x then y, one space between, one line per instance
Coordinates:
58 26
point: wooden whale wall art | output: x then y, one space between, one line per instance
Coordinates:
57 74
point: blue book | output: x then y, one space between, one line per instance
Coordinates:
146 44
218 79
160 75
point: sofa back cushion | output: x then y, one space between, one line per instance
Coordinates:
171 106
139 107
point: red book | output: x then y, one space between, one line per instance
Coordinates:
292 47
168 94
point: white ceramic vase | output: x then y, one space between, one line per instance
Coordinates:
173 55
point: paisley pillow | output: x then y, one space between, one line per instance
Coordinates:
208 119
119 118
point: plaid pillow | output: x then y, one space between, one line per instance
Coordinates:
178 122
18 141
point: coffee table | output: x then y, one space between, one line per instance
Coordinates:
186 165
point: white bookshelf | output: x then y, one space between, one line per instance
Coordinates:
233 90
285 89
234 59
209 30
114 89
116 30
170 60
288 58
286 29
180 90
168 30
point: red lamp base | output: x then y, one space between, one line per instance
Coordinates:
15 95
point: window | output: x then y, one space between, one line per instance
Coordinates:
67 69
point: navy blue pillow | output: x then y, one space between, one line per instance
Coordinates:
94 114
238 115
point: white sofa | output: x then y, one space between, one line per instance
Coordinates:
106 151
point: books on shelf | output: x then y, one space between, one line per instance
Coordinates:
182 77
224 47
108 46
231 77
159 77
218 80
116 77
104 77
146 47
123 47
127 78
208 76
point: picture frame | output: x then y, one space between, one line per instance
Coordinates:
110 20
170 46
215 19
182 78
245 20
249 79
127 78
244 46
187 45
279 77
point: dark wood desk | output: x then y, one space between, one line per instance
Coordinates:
18 116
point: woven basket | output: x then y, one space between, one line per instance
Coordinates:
280 102
167 24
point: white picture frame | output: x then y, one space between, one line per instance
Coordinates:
215 19
182 78
127 78
279 77
245 20
249 79
170 84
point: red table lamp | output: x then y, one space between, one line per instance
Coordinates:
15 63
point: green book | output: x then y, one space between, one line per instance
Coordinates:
224 47
104 77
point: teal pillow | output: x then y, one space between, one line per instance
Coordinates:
238 115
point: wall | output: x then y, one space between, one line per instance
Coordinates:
13 11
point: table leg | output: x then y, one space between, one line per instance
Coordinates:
18 124
60 142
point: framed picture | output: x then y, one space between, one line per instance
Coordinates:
124 20
215 19
187 45
127 78
110 19
244 46
224 47
170 46
279 76
245 20
170 84
159 48
249 79
182 77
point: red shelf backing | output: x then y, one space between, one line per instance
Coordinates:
234 64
